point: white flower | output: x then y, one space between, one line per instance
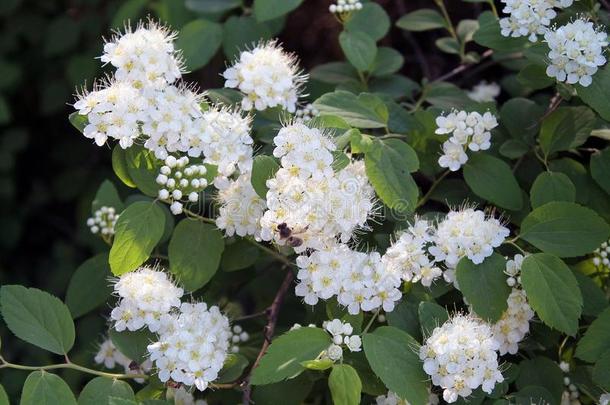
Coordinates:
514 323
345 6
193 346
576 51
529 17
103 221
604 399
267 76
110 356
146 296
484 92
601 256
353 343
306 113
334 352
144 57
241 208
182 396
393 399
564 366
237 336
179 180
460 356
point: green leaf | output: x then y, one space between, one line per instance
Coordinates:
129 10
318 364
194 253
597 94
107 196
513 148
42 388
335 72
363 111
552 186
388 166
287 352
564 229
566 128
120 166
359 49
121 401
289 392
466 29
199 40
3 396
601 376
240 32
344 384
552 291
521 117
137 231
212 6
143 168
132 344
421 20
596 340
448 45
224 96
265 10
600 169
431 315
594 298
492 179
484 286
78 121
239 255
386 62
541 372
89 286
534 76
489 36
232 370
99 390
371 19
38 318
263 169
393 357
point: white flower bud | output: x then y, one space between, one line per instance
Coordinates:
176 208
193 197
334 352
163 194
177 194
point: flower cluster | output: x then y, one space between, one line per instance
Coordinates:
529 18
460 356
484 92
577 50
181 396
342 335
393 399
309 203
192 345
267 76
180 180
241 209
358 280
571 393
110 357
238 335
468 130
145 57
514 323
306 113
466 233
146 297
600 256
513 268
408 256
103 221
345 6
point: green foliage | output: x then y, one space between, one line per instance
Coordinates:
596 340
42 388
359 49
99 391
132 344
265 10
363 111
421 20
549 187
344 385
199 40
492 179
263 168
89 286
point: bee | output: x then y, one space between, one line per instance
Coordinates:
291 235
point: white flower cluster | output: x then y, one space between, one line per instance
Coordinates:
466 233
145 57
146 297
513 268
345 6
484 92
460 356
110 357
309 205
600 256
306 113
267 76
468 130
571 394
237 335
342 335
241 209
103 221
529 17
514 323
358 280
180 180
408 256
181 396
577 50
192 345
393 399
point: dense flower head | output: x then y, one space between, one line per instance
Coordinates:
576 51
466 130
103 221
358 280
146 296
238 335
345 6
225 140
180 180
241 208
145 56
514 323
192 346
601 256
408 255
460 356
342 336
529 18
484 92
467 233
307 113
267 76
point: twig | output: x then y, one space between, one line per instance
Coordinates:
462 67
272 315
426 196
6 364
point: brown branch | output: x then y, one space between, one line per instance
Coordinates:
272 315
462 67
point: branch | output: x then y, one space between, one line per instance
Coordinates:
6 364
462 67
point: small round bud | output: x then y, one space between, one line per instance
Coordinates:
161 179
163 194
165 170
177 194
337 339
511 281
176 208
193 197
171 161
171 183
178 175
184 183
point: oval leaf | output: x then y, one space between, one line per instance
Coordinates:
99 390
89 287
549 187
596 340
359 49
199 40
42 388
345 385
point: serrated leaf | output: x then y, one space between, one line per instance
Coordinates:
601 376
142 168
137 231
492 179
43 388
596 340
194 253
344 384
99 390
358 111
600 169
38 318
431 315
89 286
540 372
566 128
552 291
549 187
387 61
120 166
489 36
